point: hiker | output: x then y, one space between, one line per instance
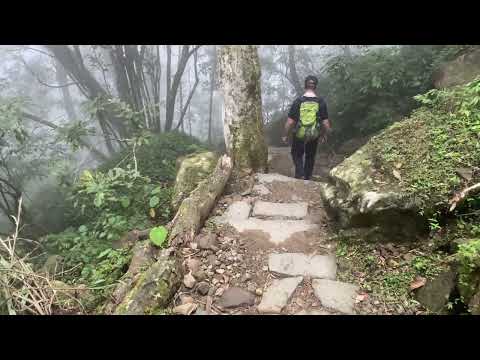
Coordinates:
308 117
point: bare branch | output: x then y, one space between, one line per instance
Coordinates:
43 83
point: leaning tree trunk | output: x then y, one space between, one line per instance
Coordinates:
239 78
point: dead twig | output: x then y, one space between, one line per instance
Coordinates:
461 196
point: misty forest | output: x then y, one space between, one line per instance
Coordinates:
157 180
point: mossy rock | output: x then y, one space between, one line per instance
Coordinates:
191 171
407 174
460 71
436 292
154 289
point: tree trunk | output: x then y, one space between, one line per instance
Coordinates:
292 69
61 76
212 88
172 85
72 62
239 77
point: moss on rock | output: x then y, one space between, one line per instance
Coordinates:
407 173
154 289
192 170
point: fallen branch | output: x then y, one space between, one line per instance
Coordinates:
195 209
460 197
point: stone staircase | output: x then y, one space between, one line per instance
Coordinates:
278 222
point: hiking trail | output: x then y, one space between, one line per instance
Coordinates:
265 251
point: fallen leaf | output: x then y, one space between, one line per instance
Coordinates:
397 175
418 283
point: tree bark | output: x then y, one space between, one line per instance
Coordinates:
212 88
190 96
61 76
239 77
292 69
72 62
172 85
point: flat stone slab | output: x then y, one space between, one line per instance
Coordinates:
336 295
238 210
277 230
261 189
277 295
298 264
286 210
268 178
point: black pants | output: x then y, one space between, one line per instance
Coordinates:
299 148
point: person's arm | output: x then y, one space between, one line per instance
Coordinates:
291 120
324 118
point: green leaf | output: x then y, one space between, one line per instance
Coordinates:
154 201
125 202
156 190
158 235
103 253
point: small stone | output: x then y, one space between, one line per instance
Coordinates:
219 291
200 275
217 263
185 299
202 288
193 265
246 277
220 271
212 259
234 297
215 281
207 241
185 309
229 267
189 281
265 268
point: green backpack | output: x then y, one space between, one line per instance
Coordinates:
308 129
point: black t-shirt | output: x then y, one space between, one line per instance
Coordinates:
294 112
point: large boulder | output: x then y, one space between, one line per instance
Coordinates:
192 170
358 200
460 71
407 173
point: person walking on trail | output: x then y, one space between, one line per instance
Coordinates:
308 117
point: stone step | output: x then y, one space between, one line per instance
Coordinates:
277 295
285 210
298 264
336 295
268 178
277 231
